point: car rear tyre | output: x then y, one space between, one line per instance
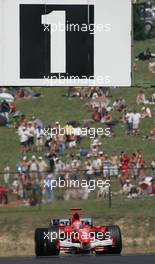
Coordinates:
115 233
47 242
53 246
40 245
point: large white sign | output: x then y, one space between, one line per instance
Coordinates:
65 42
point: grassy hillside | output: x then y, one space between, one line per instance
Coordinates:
53 106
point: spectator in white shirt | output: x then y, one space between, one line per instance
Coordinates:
42 166
153 167
34 168
127 187
39 134
6 174
153 98
31 131
23 137
97 165
136 120
129 121
48 195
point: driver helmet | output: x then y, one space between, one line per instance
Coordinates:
77 224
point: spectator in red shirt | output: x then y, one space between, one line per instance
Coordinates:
124 166
3 195
12 107
140 167
96 115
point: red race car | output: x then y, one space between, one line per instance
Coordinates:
77 235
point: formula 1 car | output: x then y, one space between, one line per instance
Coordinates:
77 235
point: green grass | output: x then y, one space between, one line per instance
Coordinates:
122 207
142 77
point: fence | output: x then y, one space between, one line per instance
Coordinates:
67 185
109 171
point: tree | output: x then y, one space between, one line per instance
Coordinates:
138 24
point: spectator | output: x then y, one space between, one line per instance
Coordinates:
124 166
151 135
140 167
5 109
151 66
122 103
31 135
153 167
48 195
145 55
146 112
133 162
97 165
42 166
7 174
116 105
72 141
59 168
108 119
114 164
39 139
136 120
95 95
16 186
130 190
78 133
12 107
129 120
61 142
153 98
127 187
3 195
89 171
74 167
146 186
24 165
23 137
119 104
34 168
23 120
96 115
140 98
106 166
54 148
94 149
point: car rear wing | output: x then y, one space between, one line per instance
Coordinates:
60 222
68 221
87 221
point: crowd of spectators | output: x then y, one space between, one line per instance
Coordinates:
62 155
32 173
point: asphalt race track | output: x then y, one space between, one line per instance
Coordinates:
74 259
